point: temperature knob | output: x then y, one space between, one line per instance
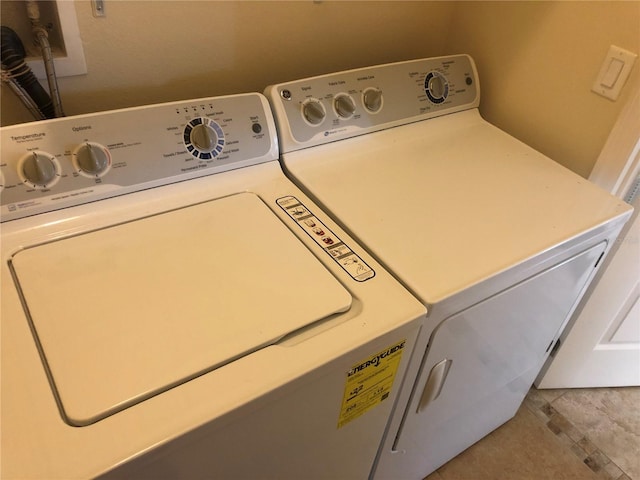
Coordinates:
436 87
313 111
344 106
372 99
203 138
39 169
91 159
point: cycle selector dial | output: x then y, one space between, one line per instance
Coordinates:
39 169
372 99
344 106
91 160
313 111
436 87
204 138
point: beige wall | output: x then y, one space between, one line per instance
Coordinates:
147 52
537 60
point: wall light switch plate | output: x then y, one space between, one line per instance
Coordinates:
614 72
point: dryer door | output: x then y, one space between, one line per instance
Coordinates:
480 364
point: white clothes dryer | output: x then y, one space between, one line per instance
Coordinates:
497 240
174 307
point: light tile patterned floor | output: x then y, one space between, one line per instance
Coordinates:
559 434
609 419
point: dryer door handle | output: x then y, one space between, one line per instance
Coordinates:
433 387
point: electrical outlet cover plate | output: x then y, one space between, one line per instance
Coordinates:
614 72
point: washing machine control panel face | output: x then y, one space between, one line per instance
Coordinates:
68 161
326 108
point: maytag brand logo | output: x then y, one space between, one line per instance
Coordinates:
26 138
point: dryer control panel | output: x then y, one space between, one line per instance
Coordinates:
68 161
331 107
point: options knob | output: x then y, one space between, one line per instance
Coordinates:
344 106
91 159
372 99
313 111
39 169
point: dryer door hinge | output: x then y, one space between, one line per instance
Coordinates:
555 348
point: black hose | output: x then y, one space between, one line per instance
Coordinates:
12 54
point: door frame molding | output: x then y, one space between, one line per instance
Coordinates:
618 164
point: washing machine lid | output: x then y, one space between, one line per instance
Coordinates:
449 202
126 312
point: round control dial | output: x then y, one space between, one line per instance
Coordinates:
39 169
344 106
203 138
436 86
313 111
91 160
372 99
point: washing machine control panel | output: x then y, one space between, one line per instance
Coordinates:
330 107
67 161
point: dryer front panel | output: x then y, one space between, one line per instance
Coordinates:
480 365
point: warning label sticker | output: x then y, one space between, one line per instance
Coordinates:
369 382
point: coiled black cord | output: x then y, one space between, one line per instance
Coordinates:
12 55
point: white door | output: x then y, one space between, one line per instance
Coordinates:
603 346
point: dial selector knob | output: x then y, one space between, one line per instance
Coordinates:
204 138
92 159
344 106
372 99
313 111
40 169
436 87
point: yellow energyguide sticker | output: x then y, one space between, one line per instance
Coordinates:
369 382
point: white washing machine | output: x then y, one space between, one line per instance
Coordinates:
174 307
498 241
